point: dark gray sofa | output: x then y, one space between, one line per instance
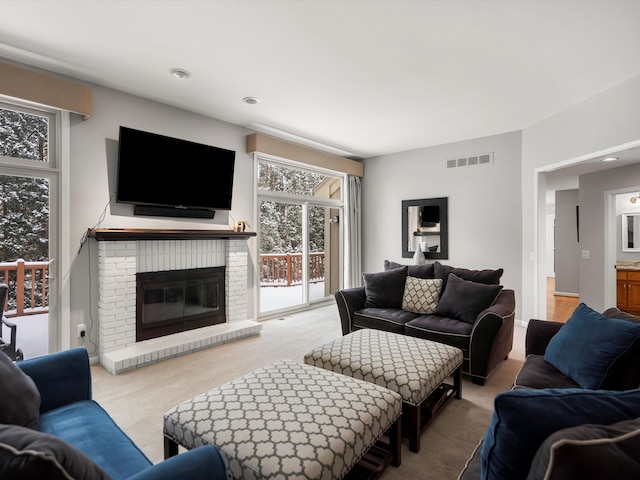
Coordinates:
485 339
562 455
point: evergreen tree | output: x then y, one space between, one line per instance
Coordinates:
24 201
281 223
24 219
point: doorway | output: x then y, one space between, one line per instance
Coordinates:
588 174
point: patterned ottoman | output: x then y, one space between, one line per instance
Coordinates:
289 420
413 367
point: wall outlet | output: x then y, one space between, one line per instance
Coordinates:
82 330
586 254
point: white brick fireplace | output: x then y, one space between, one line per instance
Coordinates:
121 255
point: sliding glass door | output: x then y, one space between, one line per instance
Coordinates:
300 238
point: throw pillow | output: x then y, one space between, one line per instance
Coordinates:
421 295
26 453
490 277
615 312
588 347
20 398
524 418
464 300
590 451
384 289
418 271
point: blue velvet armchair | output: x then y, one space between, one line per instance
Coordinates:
68 415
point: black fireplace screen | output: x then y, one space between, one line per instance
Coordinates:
178 300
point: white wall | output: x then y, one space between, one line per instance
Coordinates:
484 204
93 170
493 210
602 123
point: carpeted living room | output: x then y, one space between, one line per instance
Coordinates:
307 239
138 398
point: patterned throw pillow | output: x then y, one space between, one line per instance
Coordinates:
421 295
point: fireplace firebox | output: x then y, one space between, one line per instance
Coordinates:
178 300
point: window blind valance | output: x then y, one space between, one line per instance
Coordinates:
257 142
45 89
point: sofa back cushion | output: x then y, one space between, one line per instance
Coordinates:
590 347
29 454
464 300
418 271
385 289
19 396
490 277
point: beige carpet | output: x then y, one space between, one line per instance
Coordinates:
138 399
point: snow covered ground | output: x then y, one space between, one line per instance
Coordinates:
275 298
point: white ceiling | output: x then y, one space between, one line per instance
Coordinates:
365 77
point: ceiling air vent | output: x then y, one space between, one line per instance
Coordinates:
479 159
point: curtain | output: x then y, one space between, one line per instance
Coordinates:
353 233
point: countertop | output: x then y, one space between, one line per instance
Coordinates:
626 265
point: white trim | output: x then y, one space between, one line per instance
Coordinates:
610 244
64 232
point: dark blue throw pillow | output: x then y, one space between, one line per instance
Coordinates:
588 346
523 419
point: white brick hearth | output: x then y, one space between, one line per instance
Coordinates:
118 263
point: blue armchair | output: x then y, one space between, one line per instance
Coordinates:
68 413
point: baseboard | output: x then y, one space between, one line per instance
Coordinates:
566 294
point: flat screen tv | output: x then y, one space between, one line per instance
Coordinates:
430 215
165 176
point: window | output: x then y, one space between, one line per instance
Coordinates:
28 189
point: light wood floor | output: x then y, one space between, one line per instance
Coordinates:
559 307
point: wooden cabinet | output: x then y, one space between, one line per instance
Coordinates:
628 291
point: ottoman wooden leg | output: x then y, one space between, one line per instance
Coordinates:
395 442
457 382
170 448
414 425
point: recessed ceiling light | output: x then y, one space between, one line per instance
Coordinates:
610 159
251 100
179 73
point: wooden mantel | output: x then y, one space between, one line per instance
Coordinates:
123 234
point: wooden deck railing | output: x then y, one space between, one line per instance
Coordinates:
28 287
284 270
28 281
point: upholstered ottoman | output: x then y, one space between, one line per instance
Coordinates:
290 420
413 367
